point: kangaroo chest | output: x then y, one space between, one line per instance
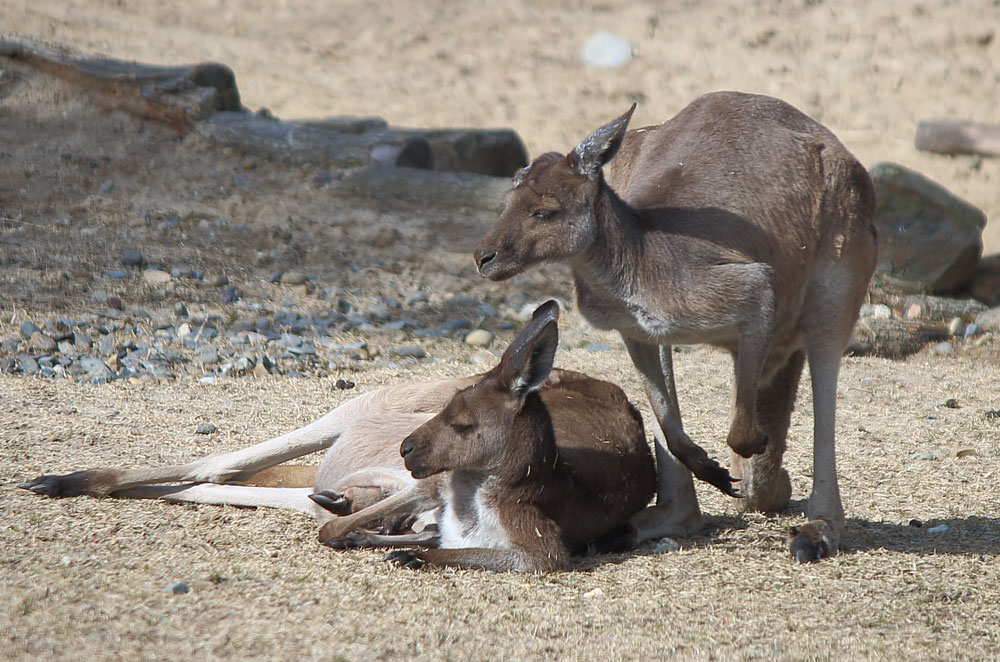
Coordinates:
645 317
469 516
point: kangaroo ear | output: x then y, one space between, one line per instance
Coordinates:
599 147
545 312
528 361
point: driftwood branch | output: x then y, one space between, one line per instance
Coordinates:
952 137
180 96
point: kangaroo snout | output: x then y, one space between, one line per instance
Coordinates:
483 259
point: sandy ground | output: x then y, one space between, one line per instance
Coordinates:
83 578
870 71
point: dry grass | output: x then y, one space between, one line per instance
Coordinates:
84 578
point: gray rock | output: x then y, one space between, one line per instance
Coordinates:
455 325
95 367
666 545
956 326
929 239
65 346
207 354
133 258
972 330
177 588
206 428
180 310
409 351
116 273
28 364
29 329
42 342
82 340
989 320
106 345
597 347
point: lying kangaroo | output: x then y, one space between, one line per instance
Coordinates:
520 466
741 223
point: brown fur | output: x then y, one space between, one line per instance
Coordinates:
740 223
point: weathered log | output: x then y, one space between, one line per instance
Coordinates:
495 152
941 309
953 137
893 338
308 144
408 187
180 96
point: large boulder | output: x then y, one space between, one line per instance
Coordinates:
930 241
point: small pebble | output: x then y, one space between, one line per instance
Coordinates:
156 276
344 385
956 326
42 342
925 455
940 528
180 310
479 338
951 403
28 329
206 428
666 545
177 588
293 278
411 351
916 523
594 593
944 348
133 258
972 330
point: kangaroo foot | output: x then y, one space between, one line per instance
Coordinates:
335 502
812 541
92 482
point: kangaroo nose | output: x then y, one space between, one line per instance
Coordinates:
406 448
482 258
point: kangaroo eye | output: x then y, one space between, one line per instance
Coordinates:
545 214
462 428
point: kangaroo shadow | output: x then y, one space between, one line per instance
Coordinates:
962 536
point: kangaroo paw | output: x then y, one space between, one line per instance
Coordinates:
405 558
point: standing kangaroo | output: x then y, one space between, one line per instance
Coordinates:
541 462
741 223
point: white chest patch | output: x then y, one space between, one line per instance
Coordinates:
469 520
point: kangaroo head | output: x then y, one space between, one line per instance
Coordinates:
549 212
473 431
